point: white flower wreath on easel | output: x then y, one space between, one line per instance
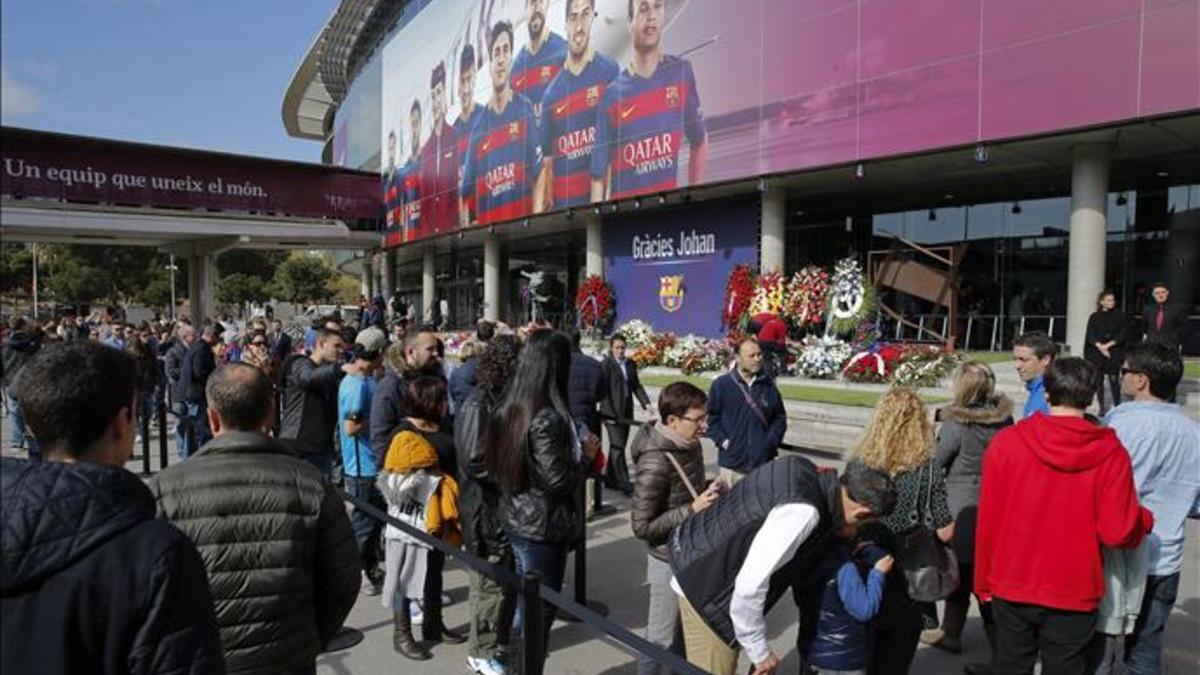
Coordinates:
851 298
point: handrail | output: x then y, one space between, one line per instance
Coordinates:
533 591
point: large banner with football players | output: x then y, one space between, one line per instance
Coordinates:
666 266
497 109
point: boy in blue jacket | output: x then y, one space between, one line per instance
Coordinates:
839 606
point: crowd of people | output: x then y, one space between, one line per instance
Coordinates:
1067 529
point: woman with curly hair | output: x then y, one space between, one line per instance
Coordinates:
899 441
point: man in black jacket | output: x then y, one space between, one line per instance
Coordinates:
185 336
1164 322
272 531
732 561
310 401
621 376
197 365
90 581
418 355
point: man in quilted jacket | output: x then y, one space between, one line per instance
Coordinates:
282 560
90 580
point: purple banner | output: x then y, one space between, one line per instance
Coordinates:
71 168
670 268
644 96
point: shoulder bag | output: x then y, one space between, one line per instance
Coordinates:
930 567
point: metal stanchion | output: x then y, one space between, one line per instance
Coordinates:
533 634
162 436
145 445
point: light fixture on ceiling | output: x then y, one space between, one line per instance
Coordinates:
525 223
662 199
462 235
596 210
860 171
637 203
570 214
1122 200
1162 174
762 184
981 154
492 229
1016 208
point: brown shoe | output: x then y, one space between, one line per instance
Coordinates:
403 641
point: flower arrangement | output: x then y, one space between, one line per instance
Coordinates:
924 366
874 365
638 334
821 357
769 295
739 292
805 298
674 356
851 297
594 303
455 342
709 356
649 355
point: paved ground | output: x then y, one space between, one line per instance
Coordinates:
616 572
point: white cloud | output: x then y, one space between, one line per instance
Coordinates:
17 99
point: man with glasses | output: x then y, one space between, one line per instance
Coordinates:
1164 447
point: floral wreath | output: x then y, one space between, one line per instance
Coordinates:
770 295
739 292
806 295
594 303
851 298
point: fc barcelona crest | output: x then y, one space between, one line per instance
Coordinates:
546 72
673 96
593 95
670 293
514 129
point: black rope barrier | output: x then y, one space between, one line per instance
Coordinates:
534 592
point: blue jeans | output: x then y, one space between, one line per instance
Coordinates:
196 432
1143 648
19 437
367 528
548 560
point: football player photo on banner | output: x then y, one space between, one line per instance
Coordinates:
670 267
493 110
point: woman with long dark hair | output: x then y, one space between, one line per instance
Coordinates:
536 454
1104 346
491 603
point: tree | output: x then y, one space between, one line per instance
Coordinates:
301 279
237 289
251 262
16 268
344 289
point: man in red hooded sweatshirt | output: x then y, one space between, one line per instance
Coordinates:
1055 489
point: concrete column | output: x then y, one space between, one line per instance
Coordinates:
595 246
427 281
772 221
389 275
491 278
1089 223
201 277
368 272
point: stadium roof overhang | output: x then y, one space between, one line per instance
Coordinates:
324 76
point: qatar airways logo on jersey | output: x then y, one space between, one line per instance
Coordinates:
650 154
501 179
576 144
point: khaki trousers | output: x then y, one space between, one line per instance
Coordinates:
704 648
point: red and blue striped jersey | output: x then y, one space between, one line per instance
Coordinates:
439 181
503 161
463 127
569 127
410 197
640 125
392 234
532 73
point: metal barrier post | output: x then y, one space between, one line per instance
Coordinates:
162 437
970 324
995 328
145 444
533 635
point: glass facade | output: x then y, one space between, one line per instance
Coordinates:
1014 256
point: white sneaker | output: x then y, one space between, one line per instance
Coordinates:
485 666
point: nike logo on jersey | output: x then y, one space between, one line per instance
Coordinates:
629 111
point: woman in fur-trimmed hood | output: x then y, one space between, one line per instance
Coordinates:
968 424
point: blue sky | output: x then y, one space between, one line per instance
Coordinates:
206 74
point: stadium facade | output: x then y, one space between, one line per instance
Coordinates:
993 165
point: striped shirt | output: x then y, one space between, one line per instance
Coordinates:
532 73
503 160
569 127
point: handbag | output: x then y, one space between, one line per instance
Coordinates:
930 566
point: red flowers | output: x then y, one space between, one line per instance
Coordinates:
594 303
739 293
